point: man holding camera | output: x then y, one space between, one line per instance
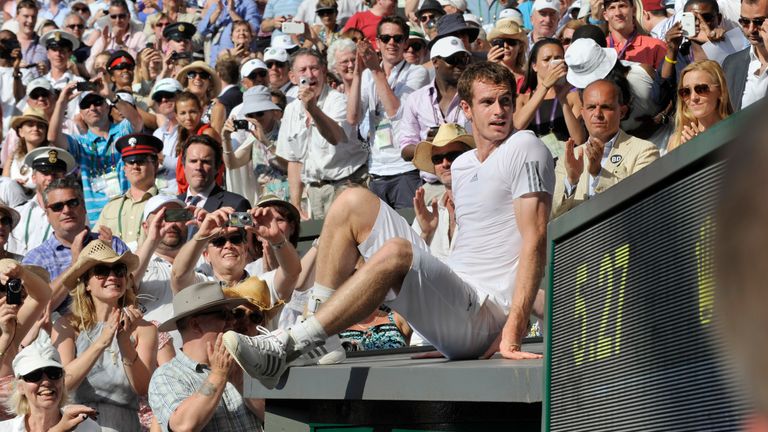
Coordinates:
315 138
123 214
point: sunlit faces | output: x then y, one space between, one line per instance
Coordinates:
107 282
58 57
188 113
26 19
446 155
33 132
310 67
65 211
242 34
752 17
277 72
345 64
175 233
544 22
620 16
227 252
392 43
198 81
701 94
490 111
141 169
75 25
119 17
200 166
43 394
601 111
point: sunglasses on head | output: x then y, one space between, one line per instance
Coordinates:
119 16
699 89
234 239
272 63
397 38
757 22
508 42
52 372
450 157
260 73
59 206
201 74
255 317
458 59
102 271
75 26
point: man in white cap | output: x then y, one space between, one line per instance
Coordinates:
198 390
253 73
164 232
48 164
163 97
276 60
544 18
503 193
374 102
321 148
434 104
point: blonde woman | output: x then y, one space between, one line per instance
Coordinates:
702 101
107 349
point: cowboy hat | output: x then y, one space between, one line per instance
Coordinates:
198 298
181 77
97 252
256 292
448 133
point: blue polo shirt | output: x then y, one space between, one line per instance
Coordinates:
98 156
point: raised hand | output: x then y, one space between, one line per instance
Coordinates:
219 359
265 224
426 219
594 151
574 161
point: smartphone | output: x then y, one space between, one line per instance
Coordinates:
85 86
688 21
241 124
240 219
292 28
13 292
178 215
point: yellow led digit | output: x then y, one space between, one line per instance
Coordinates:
620 261
704 268
604 279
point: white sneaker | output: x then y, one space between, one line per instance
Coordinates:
330 353
263 357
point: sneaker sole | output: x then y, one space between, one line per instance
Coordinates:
231 343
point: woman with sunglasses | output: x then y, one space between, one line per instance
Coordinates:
702 101
509 45
546 105
39 395
107 349
189 115
32 130
324 34
201 80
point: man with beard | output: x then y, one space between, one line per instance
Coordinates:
434 104
65 209
48 164
163 236
745 71
123 213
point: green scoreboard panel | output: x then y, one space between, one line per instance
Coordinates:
632 344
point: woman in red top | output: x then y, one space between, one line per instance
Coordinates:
367 21
189 112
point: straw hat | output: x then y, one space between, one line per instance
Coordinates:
198 298
448 133
30 114
507 29
256 292
215 88
97 252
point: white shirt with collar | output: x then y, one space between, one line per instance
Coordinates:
378 127
300 141
756 85
204 194
593 180
73 106
33 228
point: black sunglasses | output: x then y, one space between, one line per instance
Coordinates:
255 115
40 93
102 271
81 9
273 63
450 157
59 206
75 26
163 95
95 102
255 317
119 16
202 74
386 38
6 220
139 160
699 89
458 59
52 372
508 42
416 47
426 17
757 22
122 66
260 73
327 12
234 239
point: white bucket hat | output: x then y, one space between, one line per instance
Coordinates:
588 62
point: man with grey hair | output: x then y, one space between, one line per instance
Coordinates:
74 24
321 148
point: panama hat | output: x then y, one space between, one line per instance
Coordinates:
181 77
30 114
448 133
198 298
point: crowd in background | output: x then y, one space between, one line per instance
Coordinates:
158 154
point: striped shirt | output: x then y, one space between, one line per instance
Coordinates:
97 156
180 378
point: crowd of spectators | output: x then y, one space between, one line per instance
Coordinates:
159 157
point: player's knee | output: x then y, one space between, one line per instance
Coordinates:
396 255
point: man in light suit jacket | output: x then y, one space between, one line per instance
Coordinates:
746 71
608 156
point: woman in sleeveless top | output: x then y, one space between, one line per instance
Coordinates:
107 349
546 105
189 115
